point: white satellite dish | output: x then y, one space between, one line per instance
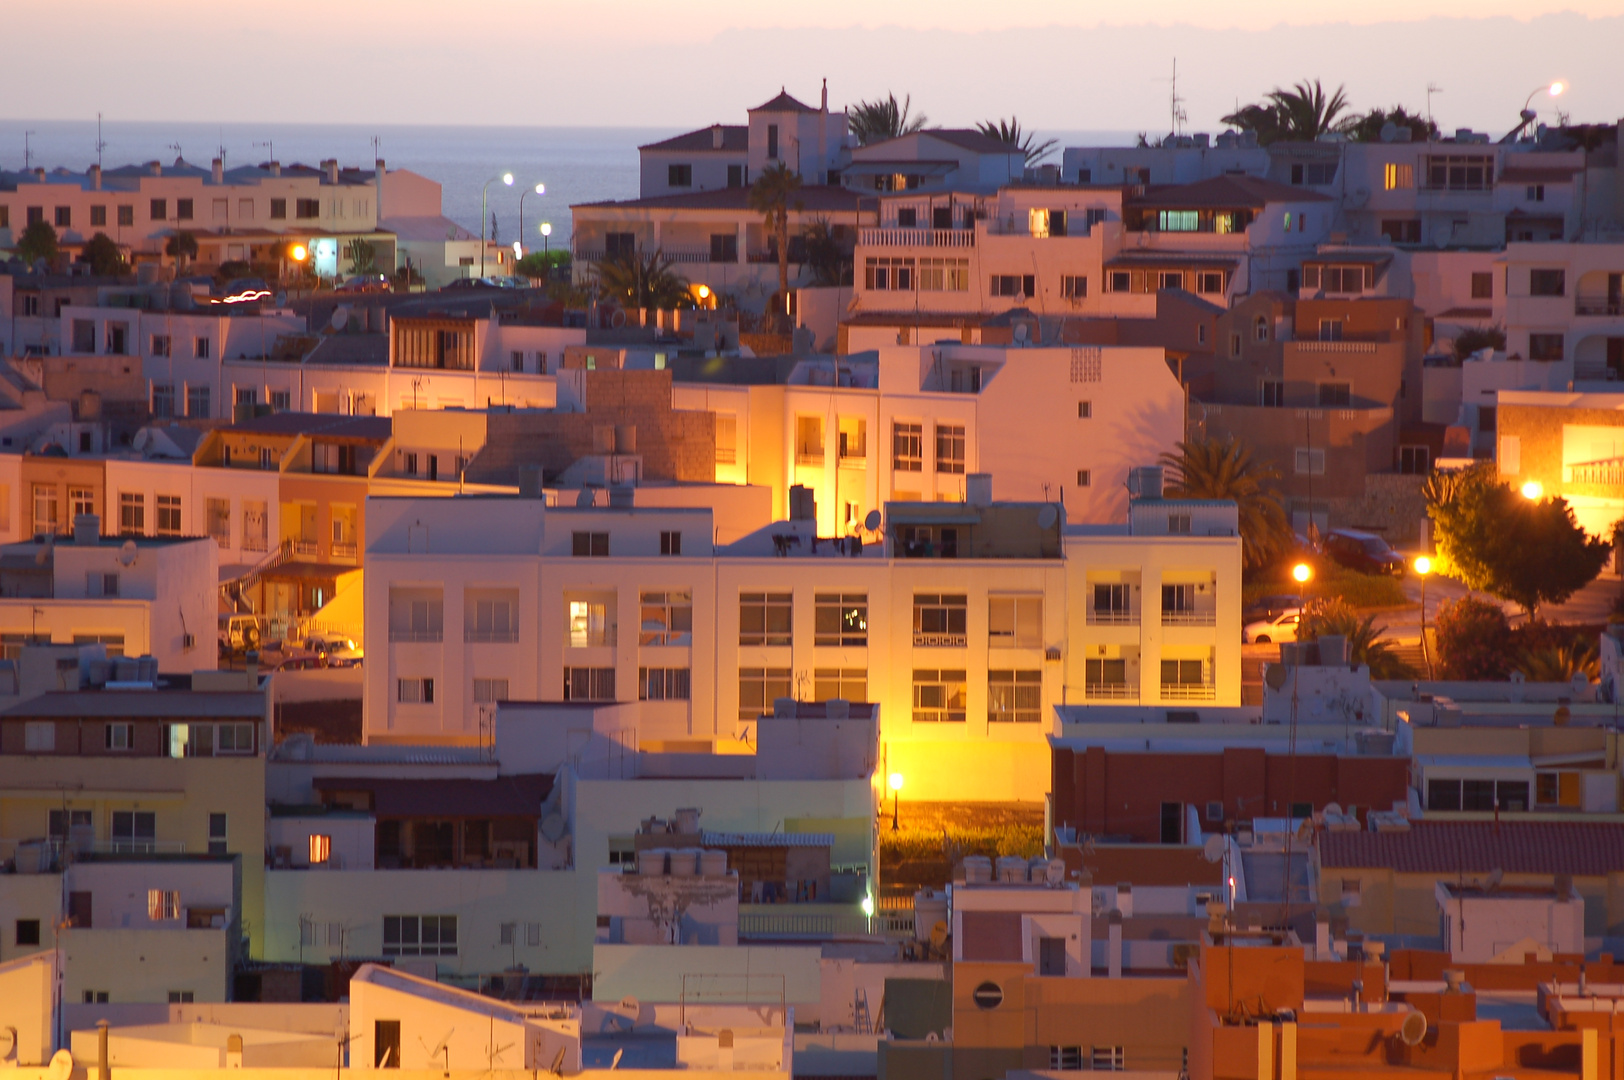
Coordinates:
1413 1030
61 1066
1047 517
341 317
871 521
1213 849
630 1004
126 553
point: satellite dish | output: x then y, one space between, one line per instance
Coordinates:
1275 676
1213 849
61 1066
1047 517
1333 808
558 1062
615 1064
630 1004
281 299
553 827
871 521
341 317
1413 1030
126 553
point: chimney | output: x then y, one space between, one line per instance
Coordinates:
377 184
716 137
95 178
218 171
275 168
87 529
330 166
1124 899
155 168
39 175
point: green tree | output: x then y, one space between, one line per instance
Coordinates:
182 247
38 241
1476 339
362 255
1225 469
1368 127
103 256
1009 131
1366 645
1495 540
1301 114
881 119
540 264
828 258
1561 662
772 196
1474 640
635 281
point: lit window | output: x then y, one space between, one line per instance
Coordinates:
321 848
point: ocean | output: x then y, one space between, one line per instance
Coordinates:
577 164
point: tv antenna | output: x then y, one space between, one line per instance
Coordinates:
270 147
100 145
1175 104
28 151
179 157
222 148
1432 88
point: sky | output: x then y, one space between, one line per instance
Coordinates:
1062 64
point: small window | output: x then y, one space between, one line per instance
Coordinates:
1483 286
183 209
119 736
1547 282
589 684
1215 811
321 848
414 691
39 736
590 545
162 906
98 217
1107 1059
679 176
1310 462
1545 346
1085 477
126 215
670 543
1066 1058
1260 329
490 691
1334 395
1085 410
217 822
840 619
27 932
765 618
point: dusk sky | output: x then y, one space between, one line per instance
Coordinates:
1055 63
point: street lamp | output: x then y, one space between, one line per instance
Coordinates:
506 178
895 780
540 189
1555 89
1423 567
1300 574
1533 491
546 231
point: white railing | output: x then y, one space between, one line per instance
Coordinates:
303 547
824 924
1316 345
1111 617
1189 618
416 635
1188 691
345 551
894 237
939 641
1111 692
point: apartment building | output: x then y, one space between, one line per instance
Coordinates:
1570 443
812 142
909 423
953 616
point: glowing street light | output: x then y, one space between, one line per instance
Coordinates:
1301 573
546 232
1555 89
1423 567
1533 491
299 252
895 780
506 178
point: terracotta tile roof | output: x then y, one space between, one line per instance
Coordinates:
1223 192
1588 849
735 139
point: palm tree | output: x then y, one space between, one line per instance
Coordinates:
1010 132
1560 663
827 257
1368 128
1301 114
881 119
772 195
1333 615
1225 469
636 281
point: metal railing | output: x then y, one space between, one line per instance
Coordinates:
410 635
1598 305
303 547
824 924
345 551
1611 473
939 641
1189 691
899 237
490 637
1111 691
1112 617
1189 618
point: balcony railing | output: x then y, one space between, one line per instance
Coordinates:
895 237
308 548
1316 345
410 634
1111 691
348 552
1598 305
1189 618
939 641
1112 617
1188 691
1602 472
490 637
823 925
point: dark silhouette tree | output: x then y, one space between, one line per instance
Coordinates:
1226 469
103 256
1009 131
882 118
38 241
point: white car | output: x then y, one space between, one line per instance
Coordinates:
1283 627
339 651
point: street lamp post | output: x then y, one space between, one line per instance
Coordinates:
895 780
540 189
1555 89
546 233
1423 567
484 192
1533 491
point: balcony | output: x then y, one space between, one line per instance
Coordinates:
776 924
416 634
1188 692
1189 618
1111 691
306 548
1598 305
923 640
1112 617
346 552
917 238
490 637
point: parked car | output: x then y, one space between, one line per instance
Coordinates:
1364 552
459 284
338 650
1269 607
367 283
294 658
1282 627
240 633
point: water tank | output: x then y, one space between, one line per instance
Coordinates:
1035 868
685 862
930 908
784 708
713 863
651 861
803 505
1011 869
603 439
1145 482
622 496
688 820
149 669
977 869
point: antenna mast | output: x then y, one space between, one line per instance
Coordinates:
100 145
1432 88
1175 105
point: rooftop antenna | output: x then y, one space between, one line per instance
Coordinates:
179 157
100 145
1175 104
1432 88
222 148
270 147
28 152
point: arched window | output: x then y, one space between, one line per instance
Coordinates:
1262 328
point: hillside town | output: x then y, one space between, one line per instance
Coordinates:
1151 608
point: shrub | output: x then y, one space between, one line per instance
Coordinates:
1474 640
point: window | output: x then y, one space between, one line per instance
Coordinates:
35 214
589 624
907 447
39 737
735 176
1210 281
1014 697
163 397
1545 346
1066 1058
1178 220
679 176
330 457
662 684
217 513
589 684
1113 603
217 822
307 208
840 619
1183 674
419 935
126 215
222 209
724 247
938 696
414 691
1396 176
851 438
847 684
98 217
45 517
1535 193
1085 410
590 545
197 402
1547 282
162 906
619 245
1482 795
1260 329
1074 286
1310 462
939 619
1085 477
1483 286
183 209
727 438
416 615
765 618
666 618
944 275
27 932
254 525
1015 622
386 1044
134 831
200 348
1107 1058
1557 789
101 583
279 209
1414 460
1271 393
113 642
1178 602
64 217
118 736
1178 524
1119 281
1313 172
950 448
670 543
1013 285
894 274
759 688
169 515
1334 394
491 615
490 691
1171 279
